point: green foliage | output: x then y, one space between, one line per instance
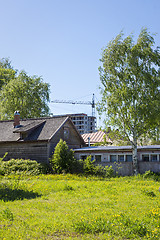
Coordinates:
90 168
117 138
20 93
63 159
109 172
151 175
130 81
129 75
20 166
7 72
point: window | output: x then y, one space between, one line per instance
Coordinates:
23 136
128 158
83 157
66 133
113 158
145 157
120 158
98 158
154 158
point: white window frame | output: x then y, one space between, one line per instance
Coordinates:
150 160
121 155
158 157
113 155
126 157
98 155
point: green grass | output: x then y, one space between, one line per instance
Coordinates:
72 207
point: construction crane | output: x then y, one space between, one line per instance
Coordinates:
92 103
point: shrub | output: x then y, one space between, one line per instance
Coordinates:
20 166
89 168
63 159
109 172
151 175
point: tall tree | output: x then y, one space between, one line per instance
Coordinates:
27 94
130 87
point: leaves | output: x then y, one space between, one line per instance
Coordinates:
29 95
130 87
130 78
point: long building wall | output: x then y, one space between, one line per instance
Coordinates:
126 168
121 161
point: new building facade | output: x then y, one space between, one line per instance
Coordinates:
84 123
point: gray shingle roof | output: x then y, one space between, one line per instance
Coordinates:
38 129
29 127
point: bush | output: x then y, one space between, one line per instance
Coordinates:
109 172
151 175
63 159
20 166
89 168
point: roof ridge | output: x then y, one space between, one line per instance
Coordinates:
38 118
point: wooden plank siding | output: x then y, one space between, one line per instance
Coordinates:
25 150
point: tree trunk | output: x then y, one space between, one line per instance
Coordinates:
135 158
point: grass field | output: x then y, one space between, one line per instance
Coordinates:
72 207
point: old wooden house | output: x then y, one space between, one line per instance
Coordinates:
36 139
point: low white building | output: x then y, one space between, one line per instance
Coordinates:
120 157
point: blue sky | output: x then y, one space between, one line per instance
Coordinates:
62 41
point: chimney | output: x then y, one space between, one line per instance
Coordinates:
16 119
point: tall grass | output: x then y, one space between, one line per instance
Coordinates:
74 207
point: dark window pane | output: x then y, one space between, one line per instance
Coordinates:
128 158
145 158
98 158
154 158
113 158
121 158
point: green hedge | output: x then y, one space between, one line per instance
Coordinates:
21 166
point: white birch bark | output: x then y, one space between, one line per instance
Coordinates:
135 156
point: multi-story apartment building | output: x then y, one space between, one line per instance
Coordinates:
83 122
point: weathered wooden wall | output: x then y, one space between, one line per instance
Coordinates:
34 151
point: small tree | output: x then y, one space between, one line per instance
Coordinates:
63 158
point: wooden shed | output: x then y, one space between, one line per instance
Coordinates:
36 139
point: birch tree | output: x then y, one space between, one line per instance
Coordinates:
130 87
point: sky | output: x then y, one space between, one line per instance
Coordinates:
62 41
